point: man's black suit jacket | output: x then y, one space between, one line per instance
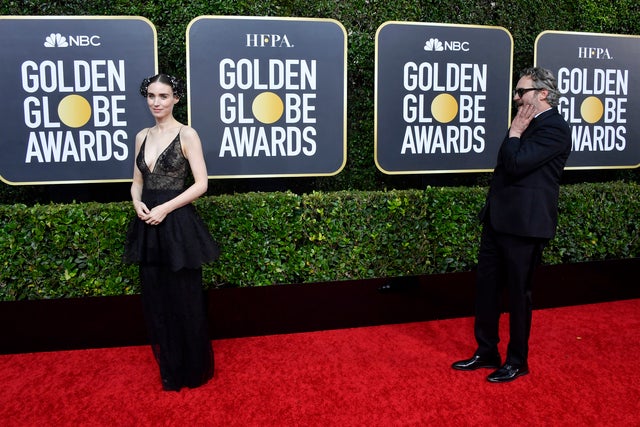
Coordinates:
524 190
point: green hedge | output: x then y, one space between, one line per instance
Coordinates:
74 250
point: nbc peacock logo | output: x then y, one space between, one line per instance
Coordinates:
56 40
433 44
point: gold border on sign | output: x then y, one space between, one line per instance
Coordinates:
94 17
344 87
577 33
375 126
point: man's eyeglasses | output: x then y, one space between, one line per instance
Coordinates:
521 91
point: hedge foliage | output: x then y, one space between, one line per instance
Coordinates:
74 250
350 226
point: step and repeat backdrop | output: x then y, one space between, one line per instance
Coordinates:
71 106
442 96
598 78
268 96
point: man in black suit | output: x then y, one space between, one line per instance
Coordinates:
519 218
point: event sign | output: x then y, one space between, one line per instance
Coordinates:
442 96
268 95
599 81
71 106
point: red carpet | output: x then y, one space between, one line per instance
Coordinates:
582 365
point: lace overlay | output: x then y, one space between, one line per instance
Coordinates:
170 256
170 169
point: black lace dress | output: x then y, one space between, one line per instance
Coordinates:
170 256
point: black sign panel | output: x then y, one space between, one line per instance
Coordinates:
599 79
442 96
71 105
268 95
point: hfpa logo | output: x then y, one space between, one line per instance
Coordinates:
268 40
435 45
594 53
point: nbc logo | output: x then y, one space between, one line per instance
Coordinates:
433 44
56 40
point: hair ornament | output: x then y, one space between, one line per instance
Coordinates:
177 85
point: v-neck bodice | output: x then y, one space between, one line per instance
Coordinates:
170 169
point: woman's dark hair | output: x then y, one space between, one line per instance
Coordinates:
177 85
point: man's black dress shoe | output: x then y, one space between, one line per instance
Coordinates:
508 373
477 362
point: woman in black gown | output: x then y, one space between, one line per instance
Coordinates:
168 239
